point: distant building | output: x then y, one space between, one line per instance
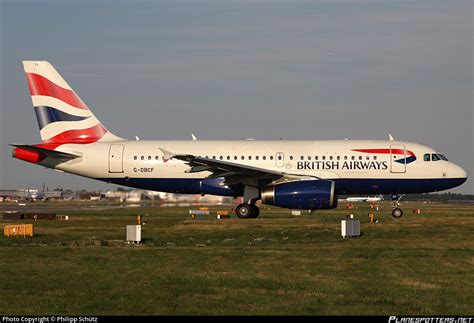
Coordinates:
28 194
122 195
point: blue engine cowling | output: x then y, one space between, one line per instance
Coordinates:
302 194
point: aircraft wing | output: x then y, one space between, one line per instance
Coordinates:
233 173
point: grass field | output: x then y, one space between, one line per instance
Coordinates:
420 264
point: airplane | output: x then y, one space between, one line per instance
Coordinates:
36 195
290 174
365 199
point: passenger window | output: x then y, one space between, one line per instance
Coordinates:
375 157
302 157
256 157
435 157
426 157
135 157
338 157
324 157
345 157
271 157
315 157
291 157
353 157
221 157
368 157
228 157
279 157
213 157
330 157
142 158
235 157
264 157
156 157
360 157
309 157
242 157
250 157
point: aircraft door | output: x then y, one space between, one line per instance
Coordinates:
116 158
397 159
279 159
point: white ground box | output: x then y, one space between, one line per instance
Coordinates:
350 228
134 233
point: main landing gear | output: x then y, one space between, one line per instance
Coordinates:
396 211
247 211
251 195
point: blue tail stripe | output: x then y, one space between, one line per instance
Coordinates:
46 115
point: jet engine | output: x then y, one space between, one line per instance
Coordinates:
301 194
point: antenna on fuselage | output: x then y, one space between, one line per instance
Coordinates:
194 137
136 138
390 137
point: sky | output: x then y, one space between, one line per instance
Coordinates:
329 69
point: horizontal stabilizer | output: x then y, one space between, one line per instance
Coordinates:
47 152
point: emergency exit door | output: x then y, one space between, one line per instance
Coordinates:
116 158
398 159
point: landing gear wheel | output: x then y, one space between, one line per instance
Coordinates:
255 211
397 213
247 211
244 211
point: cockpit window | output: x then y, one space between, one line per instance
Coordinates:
435 157
442 157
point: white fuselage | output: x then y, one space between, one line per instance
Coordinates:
382 168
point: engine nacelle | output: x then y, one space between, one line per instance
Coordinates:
302 194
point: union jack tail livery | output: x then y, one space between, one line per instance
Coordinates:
62 116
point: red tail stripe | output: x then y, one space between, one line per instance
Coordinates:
40 85
385 151
80 136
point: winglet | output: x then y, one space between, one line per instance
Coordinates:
167 155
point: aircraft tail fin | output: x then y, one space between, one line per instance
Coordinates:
62 116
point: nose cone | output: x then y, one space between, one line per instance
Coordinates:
458 173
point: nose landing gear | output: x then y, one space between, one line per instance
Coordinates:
396 211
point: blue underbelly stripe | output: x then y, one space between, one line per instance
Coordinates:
343 186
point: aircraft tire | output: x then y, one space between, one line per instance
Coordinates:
397 213
244 211
255 211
